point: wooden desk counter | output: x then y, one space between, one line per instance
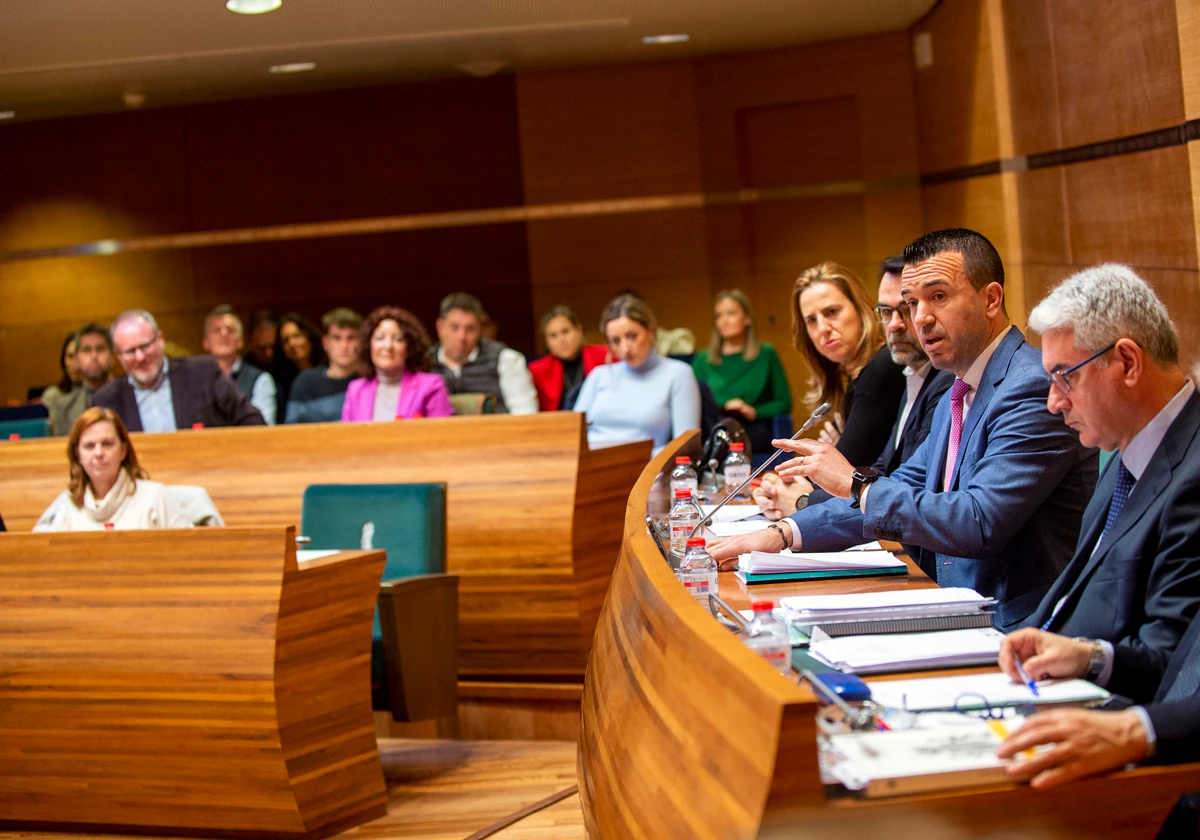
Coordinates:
531 513
686 733
196 681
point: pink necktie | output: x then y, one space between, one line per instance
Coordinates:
957 392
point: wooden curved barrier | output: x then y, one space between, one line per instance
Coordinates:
531 513
686 733
196 681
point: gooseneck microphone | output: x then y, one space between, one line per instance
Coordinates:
813 419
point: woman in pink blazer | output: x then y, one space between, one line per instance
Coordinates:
392 347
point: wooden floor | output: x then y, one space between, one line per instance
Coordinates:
448 790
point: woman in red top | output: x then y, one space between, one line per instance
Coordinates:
558 375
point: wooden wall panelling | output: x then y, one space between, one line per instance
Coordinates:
606 133
1188 27
956 99
527 586
1033 92
1134 208
1117 68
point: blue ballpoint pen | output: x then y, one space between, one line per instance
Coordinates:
1025 676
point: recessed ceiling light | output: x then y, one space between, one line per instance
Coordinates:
7 115
664 39
294 67
252 7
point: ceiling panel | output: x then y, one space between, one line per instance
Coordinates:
83 56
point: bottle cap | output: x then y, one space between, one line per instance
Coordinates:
700 541
197 425
683 492
762 606
683 459
108 526
737 447
14 436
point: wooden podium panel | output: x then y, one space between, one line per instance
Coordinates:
186 681
532 514
686 733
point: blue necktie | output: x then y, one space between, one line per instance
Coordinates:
1120 495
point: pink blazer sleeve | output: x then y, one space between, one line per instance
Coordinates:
437 398
352 408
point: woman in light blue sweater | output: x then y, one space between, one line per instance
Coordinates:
642 395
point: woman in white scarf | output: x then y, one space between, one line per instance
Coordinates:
107 487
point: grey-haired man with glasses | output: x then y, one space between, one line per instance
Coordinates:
1118 612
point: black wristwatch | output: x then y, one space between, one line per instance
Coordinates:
862 477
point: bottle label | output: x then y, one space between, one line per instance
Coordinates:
680 531
778 659
699 589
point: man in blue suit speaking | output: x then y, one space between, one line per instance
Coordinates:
995 496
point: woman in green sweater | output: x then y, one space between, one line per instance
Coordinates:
745 374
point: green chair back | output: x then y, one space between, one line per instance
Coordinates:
406 520
32 428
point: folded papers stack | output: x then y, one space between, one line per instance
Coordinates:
767 567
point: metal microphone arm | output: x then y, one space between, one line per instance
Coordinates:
813 418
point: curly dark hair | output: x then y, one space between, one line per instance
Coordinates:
416 339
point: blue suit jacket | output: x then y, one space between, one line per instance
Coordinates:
920 420
1141 585
1141 677
1010 518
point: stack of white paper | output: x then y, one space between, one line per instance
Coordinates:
730 513
921 761
899 603
759 562
907 651
971 690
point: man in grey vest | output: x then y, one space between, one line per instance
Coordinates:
471 364
223 338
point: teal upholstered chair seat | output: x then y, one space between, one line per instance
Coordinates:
409 522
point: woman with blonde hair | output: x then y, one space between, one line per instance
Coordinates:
744 373
835 327
641 395
107 486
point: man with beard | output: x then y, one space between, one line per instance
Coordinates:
778 497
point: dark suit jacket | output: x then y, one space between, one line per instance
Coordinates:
920 419
199 392
1009 521
1141 677
870 409
1141 586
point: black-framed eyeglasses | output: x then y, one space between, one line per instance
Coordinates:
133 351
884 313
1062 378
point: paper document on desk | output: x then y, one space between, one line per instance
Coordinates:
898 603
811 561
730 513
735 529
921 761
907 651
968 692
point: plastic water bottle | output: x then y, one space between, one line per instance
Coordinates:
737 469
698 572
768 637
684 517
683 476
